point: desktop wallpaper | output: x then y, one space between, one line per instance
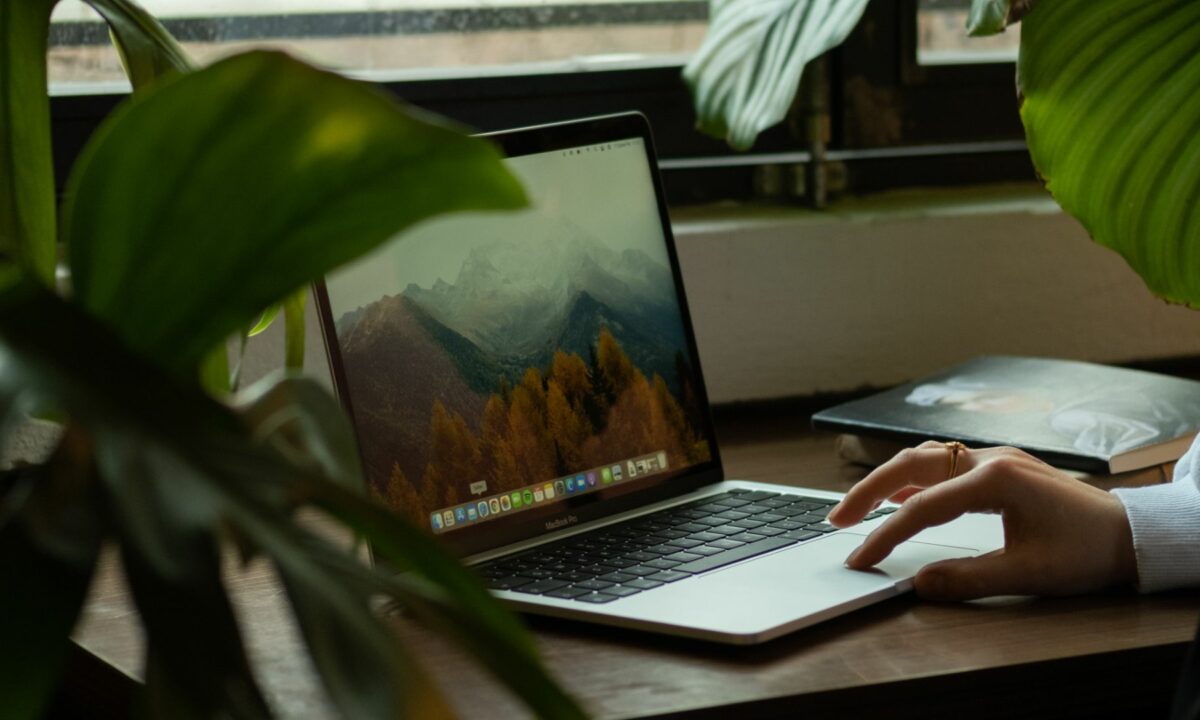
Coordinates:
515 348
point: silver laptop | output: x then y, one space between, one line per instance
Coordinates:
526 387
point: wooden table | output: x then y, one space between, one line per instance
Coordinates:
1114 655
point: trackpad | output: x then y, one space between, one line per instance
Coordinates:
909 557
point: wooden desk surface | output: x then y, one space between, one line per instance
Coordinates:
1084 657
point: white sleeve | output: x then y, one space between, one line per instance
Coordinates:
1165 520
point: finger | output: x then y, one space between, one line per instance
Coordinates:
904 494
977 491
920 467
972 578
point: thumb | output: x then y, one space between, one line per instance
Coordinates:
971 578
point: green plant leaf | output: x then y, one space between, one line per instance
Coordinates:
254 488
167 520
147 50
293 325
1111 110
50 536
988 17
264 321
259 161
214 371
299 418
748 69
27 220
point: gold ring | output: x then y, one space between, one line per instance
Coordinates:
955 448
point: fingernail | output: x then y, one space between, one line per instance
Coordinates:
850 558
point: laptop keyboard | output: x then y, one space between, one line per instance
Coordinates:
650 551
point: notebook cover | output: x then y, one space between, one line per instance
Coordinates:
1071 414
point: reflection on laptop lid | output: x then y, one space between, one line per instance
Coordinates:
502 369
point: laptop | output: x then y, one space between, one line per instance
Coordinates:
526 387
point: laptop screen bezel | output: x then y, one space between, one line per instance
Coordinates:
617 498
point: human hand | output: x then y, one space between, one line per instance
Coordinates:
1061 536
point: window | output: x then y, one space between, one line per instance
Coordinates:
387 40
907 100
941 40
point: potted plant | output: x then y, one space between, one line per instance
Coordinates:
208 196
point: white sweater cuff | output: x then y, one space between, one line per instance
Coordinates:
1164 519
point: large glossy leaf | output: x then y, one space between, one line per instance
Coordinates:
1111 110
220 192
747 71
147 50
27 223
253 488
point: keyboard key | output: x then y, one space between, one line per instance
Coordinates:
705 550
801 535
788 525
732 515
596 598
779 502
748 524
755 495
749 550
669 576
660 550
685 543
642 584
536 574
767 530
620 563
710 521
768 517
573 576
640 556
622 591
617 577
726 544
727 530
807 518
886 510
691 527
567 593
820 527
507 583
705 536
682 556
662 564
793 510
540 587
817 501
670 534
641 570
733 502
594 585
747 537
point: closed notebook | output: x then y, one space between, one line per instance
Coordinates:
1083 416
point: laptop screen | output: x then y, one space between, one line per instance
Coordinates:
505 366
